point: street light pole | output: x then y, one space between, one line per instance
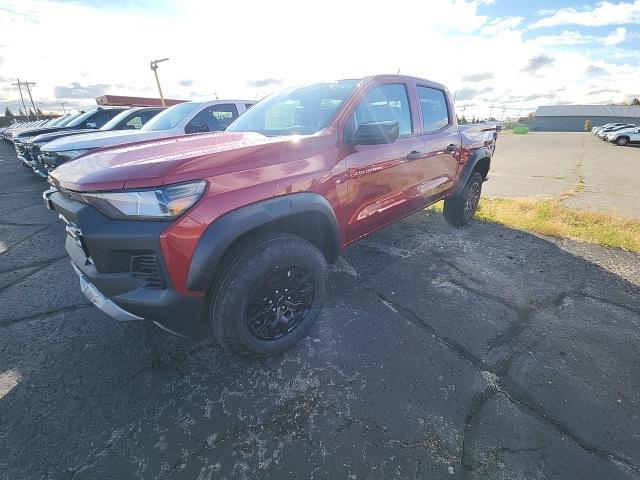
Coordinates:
63 110
154 67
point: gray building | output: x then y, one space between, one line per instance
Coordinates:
571 118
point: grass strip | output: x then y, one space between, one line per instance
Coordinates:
549 217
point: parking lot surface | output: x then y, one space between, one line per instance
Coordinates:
598 175
480 353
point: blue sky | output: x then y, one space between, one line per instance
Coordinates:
510 54
535 11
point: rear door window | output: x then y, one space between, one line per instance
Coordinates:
435 114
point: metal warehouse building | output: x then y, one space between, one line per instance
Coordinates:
571 118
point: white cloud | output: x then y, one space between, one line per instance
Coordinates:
619 36
501 24
271 47
567 37
607 13
573 37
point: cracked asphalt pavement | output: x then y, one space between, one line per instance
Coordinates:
479 353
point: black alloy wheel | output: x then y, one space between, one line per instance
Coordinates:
280 303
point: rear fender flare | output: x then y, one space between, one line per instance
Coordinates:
469 167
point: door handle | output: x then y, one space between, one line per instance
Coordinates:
414 155
452 148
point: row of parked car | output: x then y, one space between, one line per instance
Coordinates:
619 133
44 145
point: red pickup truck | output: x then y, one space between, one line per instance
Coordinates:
237 228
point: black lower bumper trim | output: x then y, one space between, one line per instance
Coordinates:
102 248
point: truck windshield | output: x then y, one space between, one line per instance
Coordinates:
68 120
113 123
295 111
81 118
170 117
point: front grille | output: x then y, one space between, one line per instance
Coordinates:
146 270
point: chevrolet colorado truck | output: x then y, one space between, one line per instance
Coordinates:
236 228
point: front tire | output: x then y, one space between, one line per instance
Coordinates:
269 295
622 141
460 209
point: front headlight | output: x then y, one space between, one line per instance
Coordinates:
162 203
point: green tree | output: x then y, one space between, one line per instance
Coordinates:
635 101
8 113
20 113
588 125
39 112
31 114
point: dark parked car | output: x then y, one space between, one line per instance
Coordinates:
130 119
91 120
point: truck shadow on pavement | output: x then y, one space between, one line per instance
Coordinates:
476 353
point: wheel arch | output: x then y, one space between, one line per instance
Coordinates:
480 161
307 215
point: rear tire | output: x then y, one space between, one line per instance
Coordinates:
460 209
268 296
622 141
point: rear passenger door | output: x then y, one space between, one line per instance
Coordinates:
442 140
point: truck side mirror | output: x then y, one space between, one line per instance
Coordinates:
377 133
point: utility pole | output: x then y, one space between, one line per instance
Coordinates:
19 85
503 109
154 67
63 110
35 110
490 110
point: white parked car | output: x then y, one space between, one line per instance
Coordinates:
181 119
597 130
625 136
605 131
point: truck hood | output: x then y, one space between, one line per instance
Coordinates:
170 160
37 131
49 137
100 139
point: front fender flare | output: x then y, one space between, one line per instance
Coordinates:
225 230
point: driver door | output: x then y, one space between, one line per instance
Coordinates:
383 180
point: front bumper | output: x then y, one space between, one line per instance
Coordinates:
122 268
99 300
